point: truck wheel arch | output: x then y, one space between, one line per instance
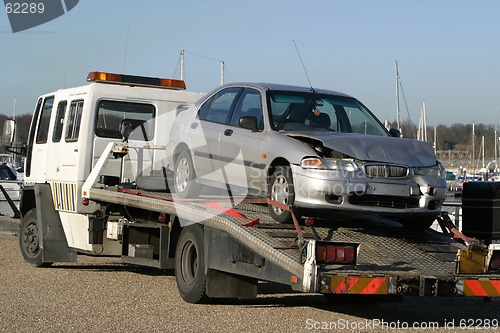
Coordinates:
27 200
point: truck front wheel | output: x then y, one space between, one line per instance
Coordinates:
190 265
29 240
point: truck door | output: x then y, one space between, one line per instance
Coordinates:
36 158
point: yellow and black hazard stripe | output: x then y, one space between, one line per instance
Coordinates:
481 288
355 285
64 196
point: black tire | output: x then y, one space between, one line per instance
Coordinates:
185 185
190 265
29 240
281 190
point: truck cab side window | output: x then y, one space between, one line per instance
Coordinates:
113 115
74 118
43 123
58 126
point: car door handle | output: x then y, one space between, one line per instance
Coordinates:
194 125
228 132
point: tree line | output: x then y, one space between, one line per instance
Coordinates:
458 137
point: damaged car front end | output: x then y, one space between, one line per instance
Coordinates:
409 192
355 165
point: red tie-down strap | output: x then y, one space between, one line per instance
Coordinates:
234 213
212 204
230 211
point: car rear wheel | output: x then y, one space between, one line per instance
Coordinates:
185 185
281 190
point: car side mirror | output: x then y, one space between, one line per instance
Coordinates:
248 122
394 132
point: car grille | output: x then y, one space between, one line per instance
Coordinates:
387 201
385 170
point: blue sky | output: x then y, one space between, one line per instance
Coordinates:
448 51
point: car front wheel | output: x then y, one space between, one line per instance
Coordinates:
281 190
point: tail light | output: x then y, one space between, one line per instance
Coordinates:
336 253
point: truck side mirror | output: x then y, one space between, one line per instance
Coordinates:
248 122
8 132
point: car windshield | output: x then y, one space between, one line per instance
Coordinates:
296 111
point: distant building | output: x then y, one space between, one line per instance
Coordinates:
454 159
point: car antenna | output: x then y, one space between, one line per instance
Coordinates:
307 75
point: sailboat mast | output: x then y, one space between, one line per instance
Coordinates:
425 123
15 133
482 144
435 139
496 155
397 96
473 151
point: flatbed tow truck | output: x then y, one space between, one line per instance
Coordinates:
219 246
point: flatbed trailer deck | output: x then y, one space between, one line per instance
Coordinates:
391 259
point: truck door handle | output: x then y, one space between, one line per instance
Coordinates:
194 125
228 132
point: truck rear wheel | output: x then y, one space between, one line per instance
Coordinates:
29 240
190 265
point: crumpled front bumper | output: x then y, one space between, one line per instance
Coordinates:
354 192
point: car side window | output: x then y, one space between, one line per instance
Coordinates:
249 105
218 108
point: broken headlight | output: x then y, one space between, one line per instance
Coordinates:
328 164
437 170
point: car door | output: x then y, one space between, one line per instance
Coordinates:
240 157
204 131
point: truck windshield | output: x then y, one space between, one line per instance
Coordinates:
296 111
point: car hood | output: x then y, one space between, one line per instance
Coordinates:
372 148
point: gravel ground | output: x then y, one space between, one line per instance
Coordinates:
101 294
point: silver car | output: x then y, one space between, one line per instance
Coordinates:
320 151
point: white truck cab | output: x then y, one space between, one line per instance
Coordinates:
70 129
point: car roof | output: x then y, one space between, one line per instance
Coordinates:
283 87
